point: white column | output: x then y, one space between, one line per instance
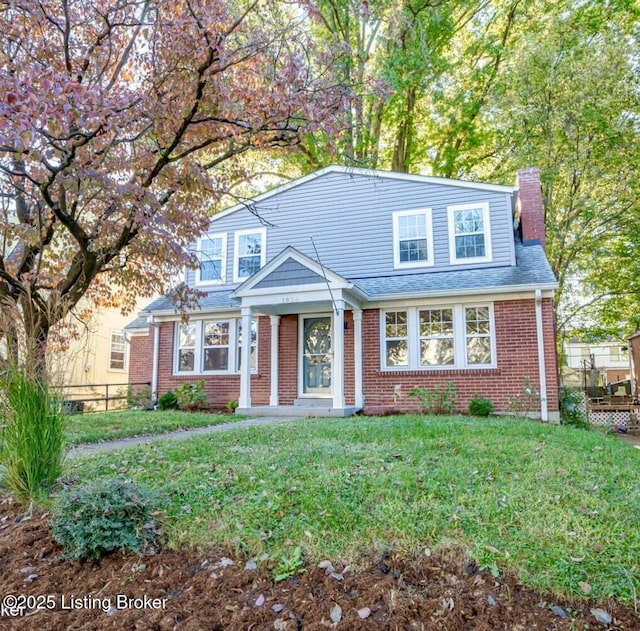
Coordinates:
357 357
245 363
275 332
337 369
544 412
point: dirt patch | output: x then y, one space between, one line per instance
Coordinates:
188 591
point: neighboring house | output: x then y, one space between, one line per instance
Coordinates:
355 286
634 347
97 362
597 363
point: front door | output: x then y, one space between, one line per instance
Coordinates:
316 358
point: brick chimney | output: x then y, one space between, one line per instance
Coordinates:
530 209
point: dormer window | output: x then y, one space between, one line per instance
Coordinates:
212 252
412 238
250 253
469 233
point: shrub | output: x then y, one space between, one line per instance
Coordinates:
232 406
139 399
523 403
168 401
105 516
191 396
572 410
32 429
479 406
440 400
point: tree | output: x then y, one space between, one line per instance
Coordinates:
119 126
568 103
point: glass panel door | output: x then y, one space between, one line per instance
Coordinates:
316 360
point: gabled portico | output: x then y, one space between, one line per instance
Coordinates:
294 284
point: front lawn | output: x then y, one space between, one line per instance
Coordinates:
558 506
93 428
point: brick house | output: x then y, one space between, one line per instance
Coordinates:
357 286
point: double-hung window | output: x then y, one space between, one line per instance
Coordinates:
212 252
454 337
469 233
396 334
213 346
477 335
250 253
412 238
186 345
117 351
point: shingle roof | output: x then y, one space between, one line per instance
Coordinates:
212 300
531 269
139 323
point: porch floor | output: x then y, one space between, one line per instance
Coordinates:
298 411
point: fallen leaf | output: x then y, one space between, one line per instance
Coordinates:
277 608
585 587
260 600
326 565
577 559
493 549
491 600
559 611
251 565
364 613
336 614
602 616
336 575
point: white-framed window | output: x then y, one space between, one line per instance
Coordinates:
186 347
254 344
619 353
215 345
117 351
396 338
212 346
469 233
477 335
249 253
212 252
412 238
438 337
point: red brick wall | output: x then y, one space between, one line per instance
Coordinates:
140 358
220 389
517 358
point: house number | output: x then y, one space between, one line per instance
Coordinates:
290 299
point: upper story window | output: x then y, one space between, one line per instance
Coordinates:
469 233
212 252
117 351
412 238
250 252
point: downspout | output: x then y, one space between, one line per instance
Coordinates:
154 365
544 413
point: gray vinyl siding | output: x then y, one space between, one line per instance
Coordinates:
290 273
350 220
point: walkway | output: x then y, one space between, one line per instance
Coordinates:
89 449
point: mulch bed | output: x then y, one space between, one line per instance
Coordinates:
195 591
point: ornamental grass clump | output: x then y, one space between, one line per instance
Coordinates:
106 516
32 436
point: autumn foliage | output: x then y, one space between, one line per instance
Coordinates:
120 123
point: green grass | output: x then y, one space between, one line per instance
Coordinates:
93 428
554 504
